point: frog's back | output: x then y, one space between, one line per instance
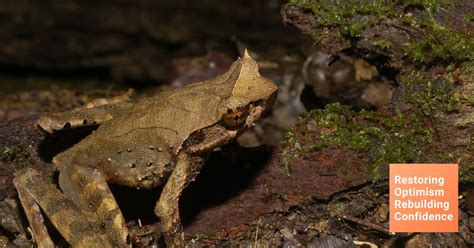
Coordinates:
141 142
163 122
174 115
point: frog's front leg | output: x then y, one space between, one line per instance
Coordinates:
81 228
167 208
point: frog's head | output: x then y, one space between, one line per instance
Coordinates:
252 94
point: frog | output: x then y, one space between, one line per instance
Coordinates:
159 141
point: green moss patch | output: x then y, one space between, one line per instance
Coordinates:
438 43
17 155
402 138
432 96
352 17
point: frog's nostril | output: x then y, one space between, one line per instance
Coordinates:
67 125
84 122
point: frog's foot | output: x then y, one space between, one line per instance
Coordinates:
33 212
81 228
87 188
167 207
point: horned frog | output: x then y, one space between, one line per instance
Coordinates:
159 140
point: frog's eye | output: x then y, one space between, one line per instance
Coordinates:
235 117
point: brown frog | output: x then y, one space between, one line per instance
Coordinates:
160 140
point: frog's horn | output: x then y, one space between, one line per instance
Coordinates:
246 54
250 84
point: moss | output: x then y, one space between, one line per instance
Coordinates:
352 17
430 5
405 137
201 237
383 44
440 43
469 18
354 29
17 155
12 152
466 73
293 152
384 139
282 197
430 95
402 138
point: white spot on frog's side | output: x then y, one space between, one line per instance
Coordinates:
129 150
152 147
109 160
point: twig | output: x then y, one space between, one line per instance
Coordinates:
361 243
367 224
256 233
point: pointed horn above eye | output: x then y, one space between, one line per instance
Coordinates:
246 54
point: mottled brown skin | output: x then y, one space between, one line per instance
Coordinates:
159 140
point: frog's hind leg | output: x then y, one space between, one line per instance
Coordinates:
167 207
87 188
76 226
33 213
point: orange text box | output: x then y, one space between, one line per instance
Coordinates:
423 197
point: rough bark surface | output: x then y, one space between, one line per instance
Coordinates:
428 53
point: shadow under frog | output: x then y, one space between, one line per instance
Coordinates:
160 140
227 173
